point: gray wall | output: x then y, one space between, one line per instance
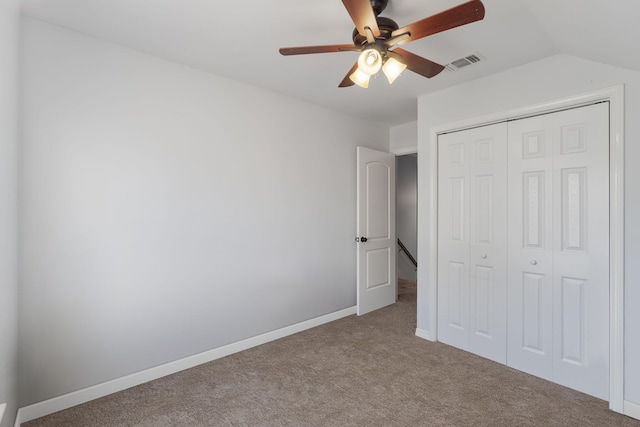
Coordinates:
9 22
167 211
406 212
542 81
403 139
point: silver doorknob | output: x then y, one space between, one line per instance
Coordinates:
534 262
483 256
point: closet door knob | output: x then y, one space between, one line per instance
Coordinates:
534 262
483 256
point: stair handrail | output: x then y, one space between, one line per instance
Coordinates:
404 249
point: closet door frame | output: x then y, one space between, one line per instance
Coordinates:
615 96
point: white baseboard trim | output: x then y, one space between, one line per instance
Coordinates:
69 400
632 409
424 334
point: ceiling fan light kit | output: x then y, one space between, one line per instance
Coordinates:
377 39
370 61
360 78
392 68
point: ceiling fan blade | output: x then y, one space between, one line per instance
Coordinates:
303 50
363 16
416 63
462 14
346 82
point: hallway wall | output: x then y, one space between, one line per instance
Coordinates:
407 212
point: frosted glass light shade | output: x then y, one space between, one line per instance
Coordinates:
392 68
360 78
370 61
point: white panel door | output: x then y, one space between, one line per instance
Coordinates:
472 240
559 248
376 230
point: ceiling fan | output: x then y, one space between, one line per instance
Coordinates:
378 38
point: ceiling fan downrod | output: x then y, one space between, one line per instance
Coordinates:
378 6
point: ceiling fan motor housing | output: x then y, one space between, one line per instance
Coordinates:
386 26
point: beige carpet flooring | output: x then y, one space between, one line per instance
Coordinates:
358 371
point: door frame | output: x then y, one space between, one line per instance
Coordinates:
615 96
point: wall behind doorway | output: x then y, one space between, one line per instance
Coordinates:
407 212
9 41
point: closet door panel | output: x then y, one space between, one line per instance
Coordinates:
581 250
530 340
488 242
559 248
453 242
472 241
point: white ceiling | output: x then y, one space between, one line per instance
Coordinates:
240 40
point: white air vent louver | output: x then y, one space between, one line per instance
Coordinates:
463 62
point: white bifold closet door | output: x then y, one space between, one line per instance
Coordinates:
523 245
559 247
472 240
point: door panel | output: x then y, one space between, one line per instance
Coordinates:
572 321
457 208
573 189
472 240
488 238
376 257
378 180
481 310
453 243
484 209
533 296
581 254
559 247
533 220
378 270
457 315
530 293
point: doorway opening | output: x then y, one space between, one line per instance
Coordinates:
407 221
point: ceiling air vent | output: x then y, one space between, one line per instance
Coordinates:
463 62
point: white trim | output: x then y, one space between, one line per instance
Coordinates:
69 400
432 255
632 409
615 96
616 249
424 334
404 151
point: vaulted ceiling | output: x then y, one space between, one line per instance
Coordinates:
240 40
